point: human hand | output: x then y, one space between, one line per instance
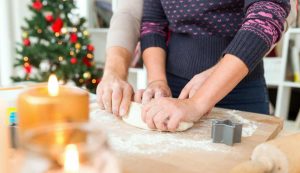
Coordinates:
155 89
194 84
165 114
114 95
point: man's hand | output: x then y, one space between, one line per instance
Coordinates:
114 95
155 89
113 92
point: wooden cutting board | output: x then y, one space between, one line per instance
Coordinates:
142 151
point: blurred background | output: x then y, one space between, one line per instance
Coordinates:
282 65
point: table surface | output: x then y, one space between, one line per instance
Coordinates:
184 152
189 152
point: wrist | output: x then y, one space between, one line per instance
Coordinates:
108 73
203 103
154 80
157 81
155 77
117 63
210 71
114 67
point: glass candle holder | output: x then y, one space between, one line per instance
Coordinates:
67 148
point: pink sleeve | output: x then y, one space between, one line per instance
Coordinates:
266 19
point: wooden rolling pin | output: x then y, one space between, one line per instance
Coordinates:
280 155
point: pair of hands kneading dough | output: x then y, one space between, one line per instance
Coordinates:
134 118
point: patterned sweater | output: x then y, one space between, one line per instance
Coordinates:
202 31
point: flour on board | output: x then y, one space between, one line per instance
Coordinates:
128 139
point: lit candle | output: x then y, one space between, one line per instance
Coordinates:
4 139
71 160
52 104
53 87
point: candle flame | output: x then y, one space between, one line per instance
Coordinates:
71 163
53 87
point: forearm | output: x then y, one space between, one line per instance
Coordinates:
225 76
117 62
155 62
125 25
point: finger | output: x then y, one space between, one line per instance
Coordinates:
126 101
99 99
147 96
147 107
173 123
138 96
185 91
116 100
150 115
161 93
158 94
106 99
160 120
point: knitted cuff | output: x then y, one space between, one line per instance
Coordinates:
153 40
249 47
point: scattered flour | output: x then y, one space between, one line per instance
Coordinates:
249 127
128 139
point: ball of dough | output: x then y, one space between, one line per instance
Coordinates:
134 118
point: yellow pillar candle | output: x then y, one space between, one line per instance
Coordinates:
52 104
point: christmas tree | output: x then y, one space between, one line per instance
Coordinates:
55 41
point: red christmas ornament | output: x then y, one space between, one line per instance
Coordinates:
49 18
57 25
73 38
87 62
27 69
90 48
73 60
26 42
37 5
98 81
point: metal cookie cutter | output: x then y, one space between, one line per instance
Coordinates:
227 132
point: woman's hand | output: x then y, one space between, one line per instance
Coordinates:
166 113
194 84
155 89
114 95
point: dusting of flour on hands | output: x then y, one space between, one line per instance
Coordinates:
127 139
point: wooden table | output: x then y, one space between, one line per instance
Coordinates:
142 151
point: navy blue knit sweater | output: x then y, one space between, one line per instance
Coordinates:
202 31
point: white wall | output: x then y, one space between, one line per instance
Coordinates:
6 42
12 13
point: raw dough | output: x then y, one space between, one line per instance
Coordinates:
134 118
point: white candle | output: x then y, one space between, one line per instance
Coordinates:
4 139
